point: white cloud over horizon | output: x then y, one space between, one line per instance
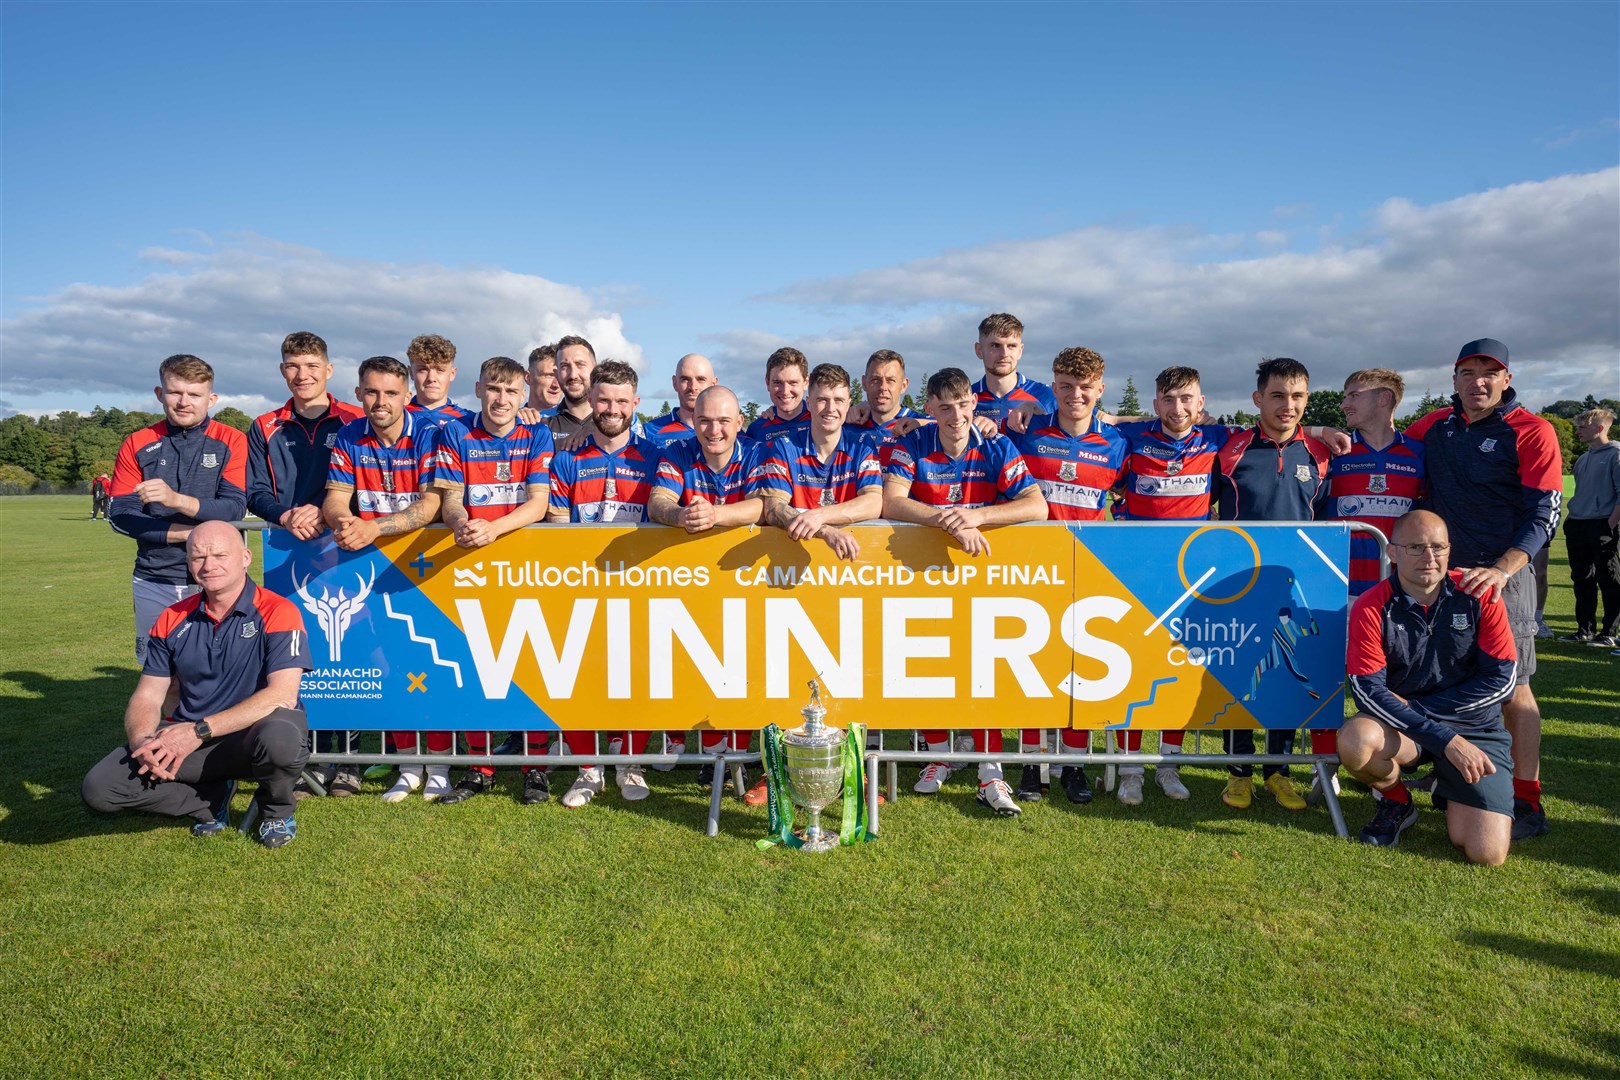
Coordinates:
233 303
1536 265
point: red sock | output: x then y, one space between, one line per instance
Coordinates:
1325 742
1528 790
1397 794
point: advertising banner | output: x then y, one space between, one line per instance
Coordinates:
1185 625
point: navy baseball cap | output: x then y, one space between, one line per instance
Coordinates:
1488 348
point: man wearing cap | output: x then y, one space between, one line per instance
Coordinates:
1496 478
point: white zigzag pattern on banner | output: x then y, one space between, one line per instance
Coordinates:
410 628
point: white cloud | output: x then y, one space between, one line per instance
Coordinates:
233 303
1535 264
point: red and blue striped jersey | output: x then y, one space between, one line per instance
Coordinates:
1075 472
1373 487
770 427
493 471
887 440
1025 393
439 415
989 471
592 485
669 428
686 474
791 467
1168 479
385 479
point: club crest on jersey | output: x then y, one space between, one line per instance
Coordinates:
250 630
331 439
1302 473
1172 467
954 495
1068 470
610 488
827 497
1487 446
388 480
1377 484
503 470
1459 622
210 461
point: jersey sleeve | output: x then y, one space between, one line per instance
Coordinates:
868 469
1541 474
447 469
340 466
670 477
286 644
1012 473
261 494
542 452
1418 428
126 511
159 656
772 473
902 460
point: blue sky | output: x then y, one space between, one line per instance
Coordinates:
1206 184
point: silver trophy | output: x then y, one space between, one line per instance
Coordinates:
814 758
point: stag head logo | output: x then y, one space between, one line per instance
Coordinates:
335 612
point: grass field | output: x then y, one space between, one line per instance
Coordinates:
1162 940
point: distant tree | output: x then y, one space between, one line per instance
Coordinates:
920 398
856 393
1129 403
1245 419
1568 444
1568 408
1590 403
234 417
750 412
16 481
1325 408
23 444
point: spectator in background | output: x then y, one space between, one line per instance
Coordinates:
1592 530
99 496
183 470
545 392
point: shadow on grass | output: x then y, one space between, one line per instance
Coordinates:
1602 1044
53 735
1551 953
1603 901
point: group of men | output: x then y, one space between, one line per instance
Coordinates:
559 441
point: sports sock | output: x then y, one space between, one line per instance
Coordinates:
1325 742
1397 794
1528 790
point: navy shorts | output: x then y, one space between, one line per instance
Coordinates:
1493 792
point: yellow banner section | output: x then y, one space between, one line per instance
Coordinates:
647 627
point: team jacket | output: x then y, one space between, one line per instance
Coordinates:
770 427
1259 480
685 472
1025 393
1373 487
207 462
789 466
494 472
288 457
1168 479
989 471
223 663
1454 661
592 485
1075 472
385 479
1497 483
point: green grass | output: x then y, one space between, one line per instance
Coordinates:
1164 940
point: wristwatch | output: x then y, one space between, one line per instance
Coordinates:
204 732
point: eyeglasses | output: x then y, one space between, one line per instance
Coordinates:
1420 551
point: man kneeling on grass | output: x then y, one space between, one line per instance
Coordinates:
238 652
1430 667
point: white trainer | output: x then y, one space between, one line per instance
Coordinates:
438 783
998 797
672 746
1169 778
932 777
632 783
410 778
1130 786
587 787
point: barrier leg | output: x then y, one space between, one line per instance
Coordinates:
894 780
871 800
1110 771
314 783
1324 776
250 820
717 791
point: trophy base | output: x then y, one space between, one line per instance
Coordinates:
818 840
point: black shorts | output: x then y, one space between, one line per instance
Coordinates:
1493 792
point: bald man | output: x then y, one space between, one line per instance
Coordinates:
712 481
238 652
693 375
1431 666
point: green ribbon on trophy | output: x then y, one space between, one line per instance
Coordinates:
778 803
